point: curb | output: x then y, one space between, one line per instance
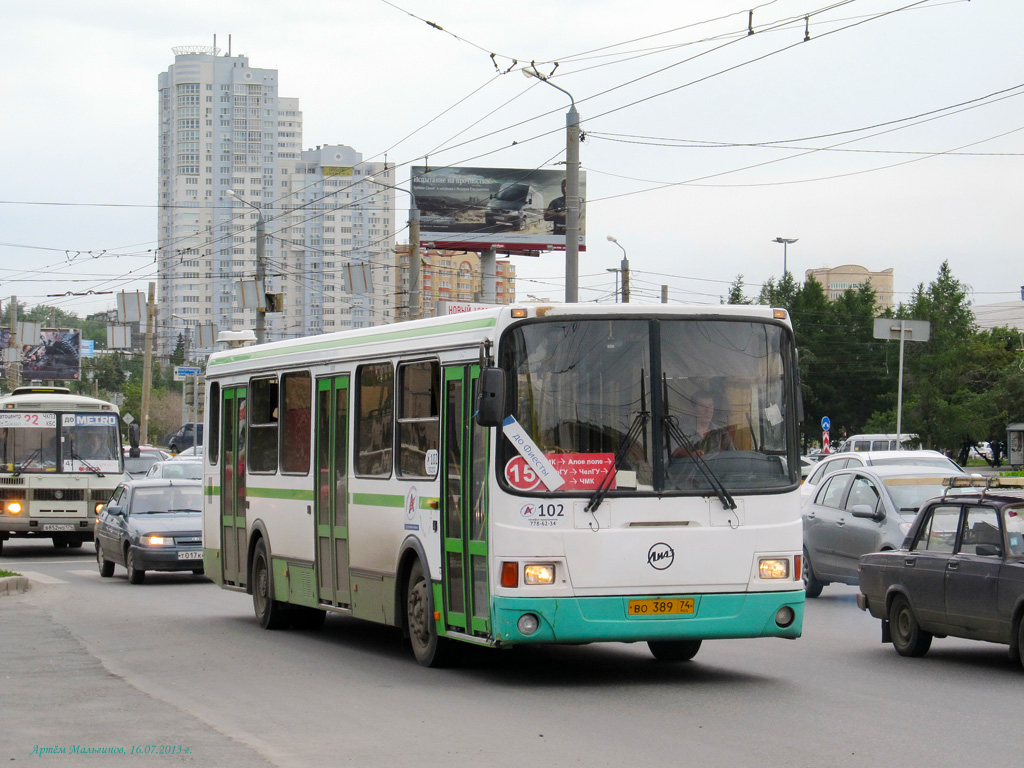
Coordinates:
13 585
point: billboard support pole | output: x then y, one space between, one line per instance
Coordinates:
572 203
489 275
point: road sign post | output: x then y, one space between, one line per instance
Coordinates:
889 328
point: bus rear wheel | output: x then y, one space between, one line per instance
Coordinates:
674 650
429 649
270 613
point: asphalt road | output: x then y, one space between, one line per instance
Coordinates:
177 662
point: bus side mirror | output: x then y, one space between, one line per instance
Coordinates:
490 400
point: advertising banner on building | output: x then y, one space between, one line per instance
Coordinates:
56 358
510 209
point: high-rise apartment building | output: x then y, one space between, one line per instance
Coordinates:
452 276
223 126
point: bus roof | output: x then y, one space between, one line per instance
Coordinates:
462 330
52 399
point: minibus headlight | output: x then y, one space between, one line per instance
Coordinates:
773 568
14 507
537 573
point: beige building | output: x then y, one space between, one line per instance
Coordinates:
835 280
449 276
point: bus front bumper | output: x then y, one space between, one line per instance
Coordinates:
606 619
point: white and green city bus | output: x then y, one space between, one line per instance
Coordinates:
516 475
60 459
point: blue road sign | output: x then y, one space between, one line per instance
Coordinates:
826 425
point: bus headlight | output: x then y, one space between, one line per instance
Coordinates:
99 507
156 541
539 574
773 568
14 507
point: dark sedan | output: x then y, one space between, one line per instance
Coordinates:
151 525
960 572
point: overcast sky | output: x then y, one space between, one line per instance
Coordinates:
893 137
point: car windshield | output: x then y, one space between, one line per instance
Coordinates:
148 501
140 465
513 193
192 470
909 493
918 461
1013 521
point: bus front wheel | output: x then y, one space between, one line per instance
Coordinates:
270 613
429 649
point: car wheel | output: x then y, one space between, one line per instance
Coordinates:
674 650
270 613
907 636
812 587
106 566
429 649
135 575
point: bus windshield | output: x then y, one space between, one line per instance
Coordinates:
33 442
657 405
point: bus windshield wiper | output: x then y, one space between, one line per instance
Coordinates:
27 462
705 469
90 467
635 430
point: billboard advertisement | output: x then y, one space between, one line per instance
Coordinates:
56 358
511 209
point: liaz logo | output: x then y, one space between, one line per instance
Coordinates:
660 556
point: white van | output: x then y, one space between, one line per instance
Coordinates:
890 442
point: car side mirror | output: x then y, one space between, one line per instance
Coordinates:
490 401
867 512
115 511
989 550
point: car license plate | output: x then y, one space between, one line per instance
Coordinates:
58 527
673 606
196 554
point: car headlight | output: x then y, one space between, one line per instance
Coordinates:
539 574
773 568
156 541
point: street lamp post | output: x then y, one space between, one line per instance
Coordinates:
615 271
624 267
414 250
572 191
261 247
785 242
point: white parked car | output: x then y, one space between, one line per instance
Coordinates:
838 461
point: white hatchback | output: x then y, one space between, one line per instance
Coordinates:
838 461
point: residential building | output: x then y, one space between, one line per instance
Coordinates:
453 276
836 280
224 126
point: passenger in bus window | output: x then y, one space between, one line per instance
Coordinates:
705 434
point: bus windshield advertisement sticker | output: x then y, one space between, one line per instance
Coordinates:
530 451
89 420
14 419
579 471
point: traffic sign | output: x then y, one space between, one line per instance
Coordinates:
183 371
826 424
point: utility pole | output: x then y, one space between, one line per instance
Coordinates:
12 370
261 254
147 366
573 204
623 268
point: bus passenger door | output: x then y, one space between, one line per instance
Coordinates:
332 490
232 487
464 512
